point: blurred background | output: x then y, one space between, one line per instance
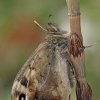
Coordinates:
19 36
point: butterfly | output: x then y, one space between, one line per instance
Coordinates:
49 73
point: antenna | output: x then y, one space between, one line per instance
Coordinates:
40 26
48 20
47 30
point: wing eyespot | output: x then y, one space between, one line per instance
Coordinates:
22 97
30 90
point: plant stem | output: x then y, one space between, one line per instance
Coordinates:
76 50
73 6
74 17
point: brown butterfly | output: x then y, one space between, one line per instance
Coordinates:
48 73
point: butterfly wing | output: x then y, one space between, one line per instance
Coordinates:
25 83
59 78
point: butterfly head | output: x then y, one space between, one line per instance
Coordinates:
52 28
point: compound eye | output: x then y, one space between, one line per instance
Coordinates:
22 97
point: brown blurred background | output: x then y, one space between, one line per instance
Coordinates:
19 36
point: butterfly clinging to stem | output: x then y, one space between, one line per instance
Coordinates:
48 73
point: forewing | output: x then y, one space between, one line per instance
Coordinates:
26 81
